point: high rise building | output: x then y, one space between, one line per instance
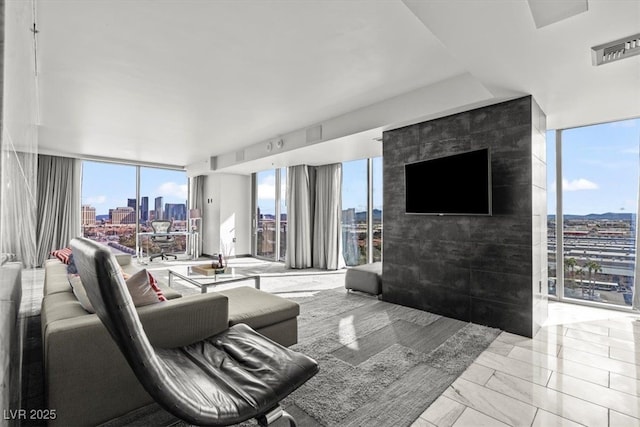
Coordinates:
88 215
122 215
144 209
175 211
158 208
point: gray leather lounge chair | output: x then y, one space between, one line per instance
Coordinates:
225 379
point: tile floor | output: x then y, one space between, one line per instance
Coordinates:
581 368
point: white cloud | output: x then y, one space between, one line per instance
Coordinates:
95 200
171 189
578 185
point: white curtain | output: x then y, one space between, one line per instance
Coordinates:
300 204
58 212
196 201
327 236
18 210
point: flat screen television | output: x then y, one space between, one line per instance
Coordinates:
459 184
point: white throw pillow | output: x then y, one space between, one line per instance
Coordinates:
143 289
80 292
142 286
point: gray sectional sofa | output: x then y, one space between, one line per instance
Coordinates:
88 381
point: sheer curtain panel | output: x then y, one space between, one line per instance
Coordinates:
58 212
327 233
299 217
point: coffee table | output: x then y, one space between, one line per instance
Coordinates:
184 272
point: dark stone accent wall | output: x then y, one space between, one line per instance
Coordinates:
473 268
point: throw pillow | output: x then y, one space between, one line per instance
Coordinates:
80 292
144 289
62 254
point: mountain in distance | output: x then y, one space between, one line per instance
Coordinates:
362 216
611 216
102 217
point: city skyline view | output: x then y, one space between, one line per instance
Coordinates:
108 186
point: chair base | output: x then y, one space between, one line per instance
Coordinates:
162 256
274 415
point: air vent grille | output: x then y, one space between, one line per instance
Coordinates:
616 50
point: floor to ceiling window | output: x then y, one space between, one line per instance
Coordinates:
163 195
362 211
266 214
115 201
107 214
283 213
599 188
376 213
355 185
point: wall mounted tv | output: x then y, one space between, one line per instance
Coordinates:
459 184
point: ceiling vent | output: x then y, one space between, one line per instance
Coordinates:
616 50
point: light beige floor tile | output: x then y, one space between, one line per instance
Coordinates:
543 342
558 341
421 422
554 329
500 347
477 373
443 412
616 419
610 398
547 419
624 383
625 355
511 366
496 405
600 362
553 401
509 338
594 328
473 418
567 367
624 335
600 339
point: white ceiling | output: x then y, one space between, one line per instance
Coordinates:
176 82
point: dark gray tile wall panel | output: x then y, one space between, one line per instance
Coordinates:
472 268
508 317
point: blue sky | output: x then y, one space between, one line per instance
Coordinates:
107 185
600 168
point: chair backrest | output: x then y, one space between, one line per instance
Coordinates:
102 279
162 226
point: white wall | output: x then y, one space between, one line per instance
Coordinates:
227 215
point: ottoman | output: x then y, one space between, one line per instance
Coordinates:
366 278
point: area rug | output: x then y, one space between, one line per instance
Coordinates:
380 364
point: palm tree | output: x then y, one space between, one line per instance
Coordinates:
570 264
592 267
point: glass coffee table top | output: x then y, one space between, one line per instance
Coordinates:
186 273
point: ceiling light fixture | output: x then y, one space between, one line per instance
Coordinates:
615 50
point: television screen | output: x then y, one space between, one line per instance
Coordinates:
453 185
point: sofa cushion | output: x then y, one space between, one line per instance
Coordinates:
55 277
59 306
257 308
